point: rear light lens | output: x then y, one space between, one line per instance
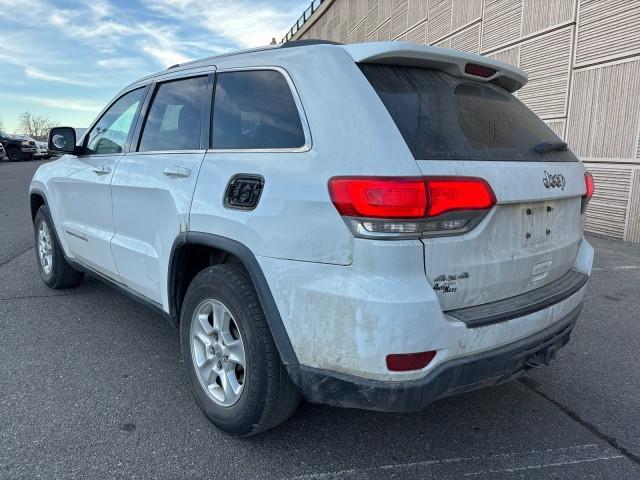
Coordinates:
591 187
450 194
411 206
379 197
404 362
479 70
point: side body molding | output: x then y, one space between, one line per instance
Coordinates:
248 259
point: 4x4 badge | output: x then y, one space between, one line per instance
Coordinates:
551 180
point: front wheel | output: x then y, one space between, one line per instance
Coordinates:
232 362
55 271
15 155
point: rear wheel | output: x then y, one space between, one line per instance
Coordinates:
15 155
55 271
232 362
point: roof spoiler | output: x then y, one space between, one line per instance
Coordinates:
453 62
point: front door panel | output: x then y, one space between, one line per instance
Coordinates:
87 218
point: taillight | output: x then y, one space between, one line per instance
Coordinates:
591 187
379 197
450 194
411 206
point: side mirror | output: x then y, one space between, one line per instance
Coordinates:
62 139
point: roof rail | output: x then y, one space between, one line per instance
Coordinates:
307 42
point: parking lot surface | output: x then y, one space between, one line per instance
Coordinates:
92 385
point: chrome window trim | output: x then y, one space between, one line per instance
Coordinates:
308 141
164 152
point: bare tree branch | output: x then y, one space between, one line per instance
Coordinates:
34 126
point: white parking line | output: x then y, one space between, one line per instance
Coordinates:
618 268
478 465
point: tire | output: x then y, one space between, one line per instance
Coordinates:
15 155
267 395
54 269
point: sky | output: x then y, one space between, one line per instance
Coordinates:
65 59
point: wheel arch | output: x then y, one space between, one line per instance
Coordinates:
37 199
227 250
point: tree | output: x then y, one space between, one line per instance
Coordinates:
34 126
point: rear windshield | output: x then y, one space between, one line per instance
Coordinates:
442 117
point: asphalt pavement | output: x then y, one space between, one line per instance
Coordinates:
92 386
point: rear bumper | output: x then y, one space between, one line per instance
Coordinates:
452 377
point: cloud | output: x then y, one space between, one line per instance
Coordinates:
124 62
247 24
61 103
34 73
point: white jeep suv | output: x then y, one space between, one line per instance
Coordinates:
372 225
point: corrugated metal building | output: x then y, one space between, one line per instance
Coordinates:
583 60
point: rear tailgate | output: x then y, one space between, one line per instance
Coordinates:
455 126
530 238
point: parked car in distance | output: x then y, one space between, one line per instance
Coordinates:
394 230
16 148
2 152
42 150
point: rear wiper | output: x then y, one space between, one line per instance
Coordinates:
550 147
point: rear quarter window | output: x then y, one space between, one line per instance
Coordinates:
255 109
442 117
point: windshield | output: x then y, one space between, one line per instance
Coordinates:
442 117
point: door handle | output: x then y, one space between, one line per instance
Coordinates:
102 170
176 171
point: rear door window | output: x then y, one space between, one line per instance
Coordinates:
175 116
442 117
255 109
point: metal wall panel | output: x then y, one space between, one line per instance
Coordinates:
547 60
439 19
607 211
603 114
418 34
464 12
510 56
399 18
372 16
502 23
384 32
417 11
384 10
467 40
539 15
633 223
557 126
607 29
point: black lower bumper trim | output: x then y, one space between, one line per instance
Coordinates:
521 305
453 377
